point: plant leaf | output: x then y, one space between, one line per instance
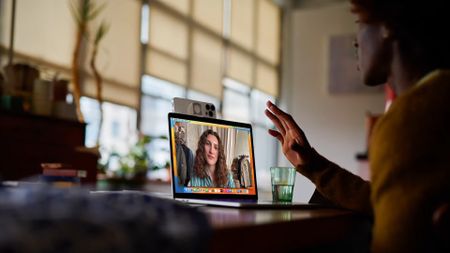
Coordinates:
94 11
75 11
101 32
86 7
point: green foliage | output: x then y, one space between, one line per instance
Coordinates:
101 32
85 11
137 160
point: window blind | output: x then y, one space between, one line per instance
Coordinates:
45 34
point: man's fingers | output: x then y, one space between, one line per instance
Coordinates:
275 121
280 114
277 135
277 111
285 119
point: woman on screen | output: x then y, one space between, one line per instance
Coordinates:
210 168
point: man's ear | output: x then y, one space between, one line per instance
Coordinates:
441 224
386 33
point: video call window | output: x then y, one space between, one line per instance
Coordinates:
212 158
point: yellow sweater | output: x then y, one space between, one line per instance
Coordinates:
410 169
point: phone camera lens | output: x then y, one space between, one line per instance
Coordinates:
207 107
213 108
210 114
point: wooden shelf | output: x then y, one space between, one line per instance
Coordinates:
29 140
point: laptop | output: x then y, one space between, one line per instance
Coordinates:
205 148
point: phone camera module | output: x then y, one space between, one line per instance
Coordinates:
197 108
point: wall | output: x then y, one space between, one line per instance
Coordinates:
241 143
334 124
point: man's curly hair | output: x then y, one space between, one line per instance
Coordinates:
220 173
420 27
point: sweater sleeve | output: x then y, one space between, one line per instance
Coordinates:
336 184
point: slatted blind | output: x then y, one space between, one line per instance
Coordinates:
188 44
45 34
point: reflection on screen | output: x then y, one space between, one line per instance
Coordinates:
211 158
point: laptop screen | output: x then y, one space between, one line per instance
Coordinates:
211 158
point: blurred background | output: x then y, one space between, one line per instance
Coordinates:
236 54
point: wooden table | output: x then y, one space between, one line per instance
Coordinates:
277 230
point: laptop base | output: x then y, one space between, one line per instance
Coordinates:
253 204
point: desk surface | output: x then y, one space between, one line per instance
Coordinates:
283 230
252 230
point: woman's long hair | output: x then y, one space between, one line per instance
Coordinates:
220 173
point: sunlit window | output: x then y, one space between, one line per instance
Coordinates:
242 103
118 128
224 52
258 105
91 114
156 103
236 101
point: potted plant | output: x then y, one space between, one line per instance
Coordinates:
131 168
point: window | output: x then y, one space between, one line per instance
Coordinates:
91 112
236 101
196 43
244 104
266 147
118 129
258 105
225 52
155 105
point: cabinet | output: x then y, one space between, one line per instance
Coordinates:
26 141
